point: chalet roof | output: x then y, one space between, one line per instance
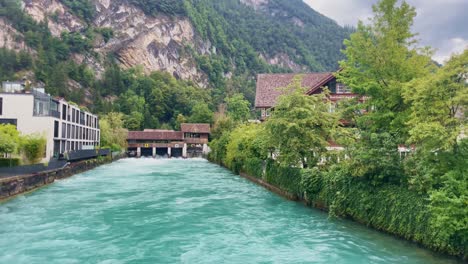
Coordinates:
155 135
195 128
269 86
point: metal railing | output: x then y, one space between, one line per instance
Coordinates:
85 154
32 169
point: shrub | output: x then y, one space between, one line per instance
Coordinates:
33 148
6 162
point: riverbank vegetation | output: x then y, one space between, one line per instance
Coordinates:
419 193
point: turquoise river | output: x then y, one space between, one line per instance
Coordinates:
182 211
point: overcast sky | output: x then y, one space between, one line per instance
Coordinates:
441 24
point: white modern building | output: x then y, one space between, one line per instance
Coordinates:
65 126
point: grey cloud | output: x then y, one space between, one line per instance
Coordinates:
441 24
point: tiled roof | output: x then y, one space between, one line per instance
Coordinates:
269 86
155 135
195 128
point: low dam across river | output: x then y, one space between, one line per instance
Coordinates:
182 211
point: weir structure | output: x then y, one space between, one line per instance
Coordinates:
190 141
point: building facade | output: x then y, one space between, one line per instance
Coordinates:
190 141
66 126
271 86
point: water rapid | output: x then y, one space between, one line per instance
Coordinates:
182 211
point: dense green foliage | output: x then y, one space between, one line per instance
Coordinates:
238 108
113 135
84 9
12 62
9 162
420 195
300 126
9 139
240 34
391 208
33 147
289 27
154 100
151 7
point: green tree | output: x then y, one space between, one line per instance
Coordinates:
448 204
81 8
180 120
246 143
9 139
300 126
129 102
238 108
201 114
381 57
438 102
113 133
134 121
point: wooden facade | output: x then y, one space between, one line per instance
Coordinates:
269 89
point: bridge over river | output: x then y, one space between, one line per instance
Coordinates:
182 211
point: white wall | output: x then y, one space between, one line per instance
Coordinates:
20 107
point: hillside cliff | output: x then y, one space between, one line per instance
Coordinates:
216 44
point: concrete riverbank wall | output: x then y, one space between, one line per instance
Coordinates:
16 185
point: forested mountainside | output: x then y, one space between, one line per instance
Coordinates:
96 52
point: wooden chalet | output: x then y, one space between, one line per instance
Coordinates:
269 89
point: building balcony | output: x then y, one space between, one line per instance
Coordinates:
50 113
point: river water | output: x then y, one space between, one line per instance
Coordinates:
182 211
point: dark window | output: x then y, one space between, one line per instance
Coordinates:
56 129
64 112
56 148
64 131
9 122
332 86
68 131
1 106
82 118
73 115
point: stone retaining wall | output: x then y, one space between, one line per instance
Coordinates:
12 186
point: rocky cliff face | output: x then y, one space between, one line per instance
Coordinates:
58 17
155 43
10 38
256 4
284 61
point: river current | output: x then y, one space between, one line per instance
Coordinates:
182 211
